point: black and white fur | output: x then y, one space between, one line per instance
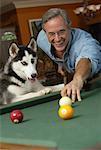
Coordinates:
19 79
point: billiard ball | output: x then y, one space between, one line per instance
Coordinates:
66 112
65 101
16 116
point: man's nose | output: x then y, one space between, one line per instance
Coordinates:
57 37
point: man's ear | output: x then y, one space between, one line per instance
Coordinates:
13 50
32 44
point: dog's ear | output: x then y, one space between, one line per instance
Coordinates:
32 44
13 50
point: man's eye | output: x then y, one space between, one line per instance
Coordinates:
51 34
61 32
32 61
24 63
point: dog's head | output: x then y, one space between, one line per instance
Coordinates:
23 60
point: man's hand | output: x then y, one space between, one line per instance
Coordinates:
82 72
73 89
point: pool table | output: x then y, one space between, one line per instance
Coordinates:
43 129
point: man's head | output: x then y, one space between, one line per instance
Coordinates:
54 12
56 24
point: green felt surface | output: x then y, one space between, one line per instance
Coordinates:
42 124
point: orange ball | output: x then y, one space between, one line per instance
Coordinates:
66 112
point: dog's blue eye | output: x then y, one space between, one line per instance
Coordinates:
32 61
24 63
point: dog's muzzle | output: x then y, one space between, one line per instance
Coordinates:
33 77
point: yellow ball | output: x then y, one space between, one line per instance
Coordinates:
65 101
66 112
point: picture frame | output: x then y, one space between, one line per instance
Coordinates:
35 25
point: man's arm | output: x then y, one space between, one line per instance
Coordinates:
82 72
83 69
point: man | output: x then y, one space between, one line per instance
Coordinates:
71 48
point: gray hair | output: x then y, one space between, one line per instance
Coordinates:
54 12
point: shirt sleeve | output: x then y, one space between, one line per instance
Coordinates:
90 49
43 42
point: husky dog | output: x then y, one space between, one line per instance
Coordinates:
19 80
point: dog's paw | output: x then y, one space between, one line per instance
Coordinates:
46 90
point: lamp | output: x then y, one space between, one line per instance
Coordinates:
87 11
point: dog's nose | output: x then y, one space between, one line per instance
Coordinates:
33 76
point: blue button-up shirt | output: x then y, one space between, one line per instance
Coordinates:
81 45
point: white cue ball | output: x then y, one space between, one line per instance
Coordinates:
65 101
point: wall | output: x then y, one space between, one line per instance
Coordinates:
20 17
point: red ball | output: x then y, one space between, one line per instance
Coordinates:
16 116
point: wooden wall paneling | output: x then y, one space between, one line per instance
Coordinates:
25 14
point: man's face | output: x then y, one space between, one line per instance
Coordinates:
58 33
